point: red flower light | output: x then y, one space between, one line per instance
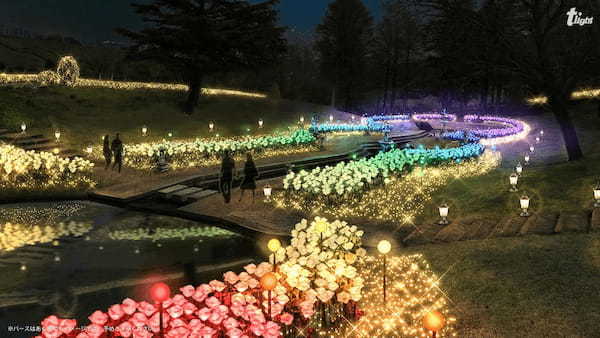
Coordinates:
160 292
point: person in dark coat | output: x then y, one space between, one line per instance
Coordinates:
227 168
107 152
117 149
250 175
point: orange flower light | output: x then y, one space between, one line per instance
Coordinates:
434 321
268 281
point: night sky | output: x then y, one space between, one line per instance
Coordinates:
94 20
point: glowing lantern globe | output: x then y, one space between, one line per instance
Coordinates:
23 127
513 179
301 119
274 245
268 282
519 168
57 135
384 248
434 321
597 196
260 123
524 201
144 131
330 118
443 214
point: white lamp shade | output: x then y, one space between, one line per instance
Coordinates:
267 190
260 123
331 118
524 202
443 210
519 168
57 134
301 119
514 178
537 139
23 126
597 193
531 148
526 158
211 125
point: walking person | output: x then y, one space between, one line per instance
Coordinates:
250 175
117 149
227 168
107 152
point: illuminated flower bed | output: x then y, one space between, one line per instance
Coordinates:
14 236
320 283
29 170
348 127
460 135
389 118
355 176
511 130
183 154
156 234
399 201
434 116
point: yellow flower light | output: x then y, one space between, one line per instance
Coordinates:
274 245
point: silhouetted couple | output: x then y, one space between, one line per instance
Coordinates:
115 148
227 170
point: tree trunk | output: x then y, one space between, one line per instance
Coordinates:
568 130
195 85
333 96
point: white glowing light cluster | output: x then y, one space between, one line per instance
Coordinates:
14 236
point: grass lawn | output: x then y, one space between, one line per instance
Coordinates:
84 115
534 286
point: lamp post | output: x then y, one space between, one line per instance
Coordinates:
260 123
144 131
513 179
384 248
519 169
211 126
267 190
170 134
443 209
23 127
527 158
542 132
434 321
301 119
531 148
160 292
268 282
57 135
524 201
597 196
274 245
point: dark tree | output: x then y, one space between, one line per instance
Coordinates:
198 38
342 41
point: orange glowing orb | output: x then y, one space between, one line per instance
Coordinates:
434 321
268 281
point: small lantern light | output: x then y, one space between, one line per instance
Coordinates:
301 119
137 251
527 158
23 267
330 118
144 131
434 321
274 245
531 148
57 135
57 258
537 139
542 132
23 127
443 214
211 126
260 123
519 169
170 134
267 190
524 201
514 178
597 196
89 149
384 247
353 118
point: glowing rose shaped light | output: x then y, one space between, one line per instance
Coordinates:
513 179
23 127
524 202
443 209
268 282
597 196
434 321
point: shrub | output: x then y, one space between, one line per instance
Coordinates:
68 70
